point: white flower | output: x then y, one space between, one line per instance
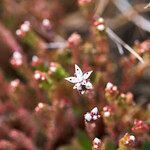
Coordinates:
92 116
18 32
106 114
25 27
109 86
17 55
17 59
97 141
15 83
37 76
94 111
46 22
80 80
101 20
132 137
101 27
35 58
88 117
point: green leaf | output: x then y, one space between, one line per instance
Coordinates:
110 146
46 84
59 74
146 145
84 140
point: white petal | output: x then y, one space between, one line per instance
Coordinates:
82 92
84 82
95 117
88 117
109 85
78 73
94 110
101 27
132 137
72 79
87 74
89 86
77 86
106 114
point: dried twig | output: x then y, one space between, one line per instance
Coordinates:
137 19
121 20
120 49
118 40
56 45
147 6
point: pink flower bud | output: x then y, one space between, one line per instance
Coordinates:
35 61
84 2
38 75
144 46
16 59
99 24
46 23
74 40
24 28
110 88
97 144
14 84
107 111
53 67
140 127
39 107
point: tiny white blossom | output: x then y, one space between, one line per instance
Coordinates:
24 27
126 142
18 32
46 22
37 76
14 83
35 58
132 137
109 85
27 23
95 117
17 55
94 110
80 80
88 117
97 141
101 27
17 59
101 19
92 116
106 114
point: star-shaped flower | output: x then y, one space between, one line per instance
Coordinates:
81 81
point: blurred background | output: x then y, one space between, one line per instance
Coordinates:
49 115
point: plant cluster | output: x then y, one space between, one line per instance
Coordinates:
41 110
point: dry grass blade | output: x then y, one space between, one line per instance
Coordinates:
118 40
56 45
120 49
137 19
147 6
